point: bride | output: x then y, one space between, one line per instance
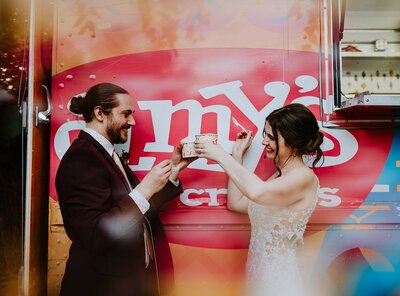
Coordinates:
280 207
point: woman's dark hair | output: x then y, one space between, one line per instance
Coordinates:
299 127
102 95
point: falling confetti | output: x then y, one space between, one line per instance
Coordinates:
377 85
363 85
281 20
356 77
377 74
171 14
391 73
215 3
391 85
112 10
363 75
196 18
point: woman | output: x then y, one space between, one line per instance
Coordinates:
280 207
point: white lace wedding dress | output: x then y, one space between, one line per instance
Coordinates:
276 232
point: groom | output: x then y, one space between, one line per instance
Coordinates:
118 246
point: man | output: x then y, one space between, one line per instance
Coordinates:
118 243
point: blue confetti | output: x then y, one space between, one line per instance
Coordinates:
196 18
112 10
215 3
281 20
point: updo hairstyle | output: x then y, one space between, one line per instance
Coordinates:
102 95
299 127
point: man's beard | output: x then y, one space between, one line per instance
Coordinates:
114 133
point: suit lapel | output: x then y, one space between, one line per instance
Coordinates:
107 156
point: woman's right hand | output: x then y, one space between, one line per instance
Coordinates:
242 143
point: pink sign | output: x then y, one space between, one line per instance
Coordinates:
181 93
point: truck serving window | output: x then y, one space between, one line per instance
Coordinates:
360 60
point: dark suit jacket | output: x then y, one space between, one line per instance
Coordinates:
106 226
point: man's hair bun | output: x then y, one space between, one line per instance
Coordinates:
77 105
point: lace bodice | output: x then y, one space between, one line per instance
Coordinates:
276 232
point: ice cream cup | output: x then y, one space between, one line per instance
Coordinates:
188 147
213 138
188 150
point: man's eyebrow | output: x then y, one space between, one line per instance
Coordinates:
128 111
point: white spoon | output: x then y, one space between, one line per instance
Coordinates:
238 124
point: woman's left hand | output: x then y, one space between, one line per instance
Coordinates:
209 150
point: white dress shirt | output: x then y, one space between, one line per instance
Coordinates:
137 197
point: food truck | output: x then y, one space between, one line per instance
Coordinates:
190 67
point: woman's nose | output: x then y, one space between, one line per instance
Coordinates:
265 142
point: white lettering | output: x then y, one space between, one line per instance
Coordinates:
212 192
62 140
185 197
162 111
278 90
326 194
348 145
329 199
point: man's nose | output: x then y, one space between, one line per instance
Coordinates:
131 120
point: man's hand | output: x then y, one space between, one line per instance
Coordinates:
155 180
179 163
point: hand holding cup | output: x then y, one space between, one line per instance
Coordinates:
206 147
188 149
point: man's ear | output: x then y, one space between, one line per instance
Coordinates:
98 113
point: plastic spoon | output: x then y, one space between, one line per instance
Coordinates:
238 124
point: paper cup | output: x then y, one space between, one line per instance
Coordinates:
188 150
213 138
188 147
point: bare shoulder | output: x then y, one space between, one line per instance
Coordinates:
303 176
307 187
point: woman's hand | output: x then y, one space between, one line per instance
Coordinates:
205 149
242 143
